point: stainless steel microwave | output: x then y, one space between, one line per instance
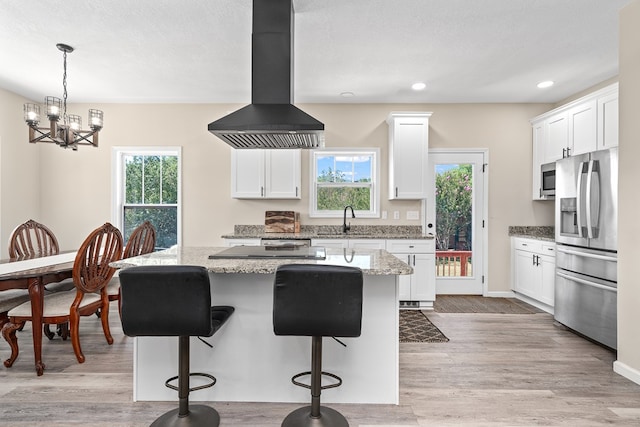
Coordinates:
548 180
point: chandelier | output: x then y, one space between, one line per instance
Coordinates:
69 133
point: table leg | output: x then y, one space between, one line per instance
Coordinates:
36 294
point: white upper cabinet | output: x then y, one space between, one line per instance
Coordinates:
408 154
584 125
582 128
265 174
558 137
608 120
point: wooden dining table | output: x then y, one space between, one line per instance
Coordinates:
34 279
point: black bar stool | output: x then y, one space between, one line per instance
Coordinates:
174 300
317 301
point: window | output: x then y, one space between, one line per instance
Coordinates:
344 177
147 187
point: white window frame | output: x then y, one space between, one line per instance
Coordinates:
374 212
117 181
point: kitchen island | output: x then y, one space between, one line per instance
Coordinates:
251 363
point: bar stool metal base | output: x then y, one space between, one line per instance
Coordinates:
199 416
301 417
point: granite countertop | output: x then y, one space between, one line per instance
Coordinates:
546 233
333 232
372 261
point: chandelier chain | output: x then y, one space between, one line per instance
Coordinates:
64 86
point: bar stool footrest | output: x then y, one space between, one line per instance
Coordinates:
192 374
324 387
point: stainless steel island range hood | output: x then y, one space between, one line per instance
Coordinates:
270 121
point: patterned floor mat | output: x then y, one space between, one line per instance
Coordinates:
415 327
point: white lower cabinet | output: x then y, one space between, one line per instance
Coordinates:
350 243
419 288
533 266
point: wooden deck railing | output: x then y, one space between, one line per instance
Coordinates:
453 263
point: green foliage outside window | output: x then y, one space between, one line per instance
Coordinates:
453 203
344 179
336 198
151 193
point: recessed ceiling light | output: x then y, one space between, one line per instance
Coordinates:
418 86
545 84
347 94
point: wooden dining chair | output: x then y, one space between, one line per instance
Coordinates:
142 241
91 273
27 240
32 239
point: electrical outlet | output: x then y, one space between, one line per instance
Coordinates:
396 214
413 215
384 214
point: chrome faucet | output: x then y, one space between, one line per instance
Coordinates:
346 227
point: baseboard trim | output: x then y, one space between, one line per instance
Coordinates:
542 306
500 294
626 371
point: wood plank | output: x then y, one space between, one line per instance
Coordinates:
496 370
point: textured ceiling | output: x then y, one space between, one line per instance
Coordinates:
199 50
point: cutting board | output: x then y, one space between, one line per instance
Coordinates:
280 222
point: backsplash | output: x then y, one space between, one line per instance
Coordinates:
252 230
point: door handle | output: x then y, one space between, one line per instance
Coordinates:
592 198
579 198
586 282
587 254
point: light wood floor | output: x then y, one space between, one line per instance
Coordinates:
496 370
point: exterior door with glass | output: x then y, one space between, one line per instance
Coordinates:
455 209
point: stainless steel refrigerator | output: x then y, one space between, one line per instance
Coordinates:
586 228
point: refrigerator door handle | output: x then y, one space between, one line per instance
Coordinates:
587 201
586 282
586 254
579 198
593 199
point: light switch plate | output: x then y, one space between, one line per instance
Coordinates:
384 214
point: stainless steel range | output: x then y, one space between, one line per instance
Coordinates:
587 245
